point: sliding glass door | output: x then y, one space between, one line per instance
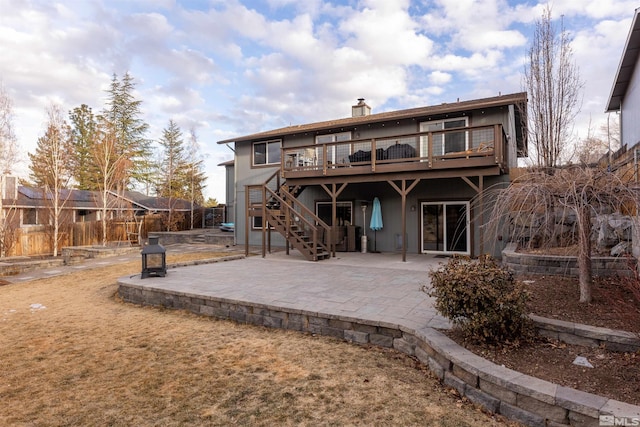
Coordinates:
445 227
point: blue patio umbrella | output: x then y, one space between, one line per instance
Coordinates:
376 221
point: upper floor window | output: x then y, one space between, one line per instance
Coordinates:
449 142
335 152
267 152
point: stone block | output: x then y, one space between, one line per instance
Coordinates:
622 348
278 314
356 336
381 340
369 329
455 382
332 332
320 321
212 303
526 385
580 401
251 318
546 410
577 340
576 419
517 414
498 392
483 399
272 322
390 332
340 324
620 409
404 346
498 375
548 334
466 376
552 324
241 317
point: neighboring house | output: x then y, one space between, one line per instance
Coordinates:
425 165
229 168
625 100
27 206
625 93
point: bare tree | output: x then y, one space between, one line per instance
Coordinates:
111 167
553 84
9 154
196 177
534 203
9 150
51 167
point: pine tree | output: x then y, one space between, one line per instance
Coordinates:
123 114
174 166
83 132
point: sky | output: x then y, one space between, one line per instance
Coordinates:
228 68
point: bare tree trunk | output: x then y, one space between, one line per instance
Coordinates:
584 253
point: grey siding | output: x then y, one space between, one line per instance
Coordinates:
630 109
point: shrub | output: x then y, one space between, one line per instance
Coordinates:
482 299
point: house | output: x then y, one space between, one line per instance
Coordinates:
625 100
27 212
312 186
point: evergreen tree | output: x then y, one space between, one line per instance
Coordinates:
123 114
174 167
83 132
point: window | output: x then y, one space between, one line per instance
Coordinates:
29 217
256 223
443 143
266 153
335 153
344 212
445 227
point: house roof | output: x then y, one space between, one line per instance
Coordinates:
155 203
627 66
30 197
227 163
444 108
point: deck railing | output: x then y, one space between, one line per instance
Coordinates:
429 150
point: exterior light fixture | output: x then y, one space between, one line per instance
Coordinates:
154 259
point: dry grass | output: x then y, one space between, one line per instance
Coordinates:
89 359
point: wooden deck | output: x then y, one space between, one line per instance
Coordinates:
469 151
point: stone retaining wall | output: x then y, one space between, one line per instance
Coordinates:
587 336
18 265
75 254
517 396
521 263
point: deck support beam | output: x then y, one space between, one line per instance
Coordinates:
334 193
404 190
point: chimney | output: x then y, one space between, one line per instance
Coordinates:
361 109
8 187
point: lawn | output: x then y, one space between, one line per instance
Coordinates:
73 354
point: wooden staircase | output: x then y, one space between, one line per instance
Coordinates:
284 214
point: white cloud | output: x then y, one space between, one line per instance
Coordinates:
440 77
229 67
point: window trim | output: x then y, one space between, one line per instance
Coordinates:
445 240
424 139
348 203
335 137
266 144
